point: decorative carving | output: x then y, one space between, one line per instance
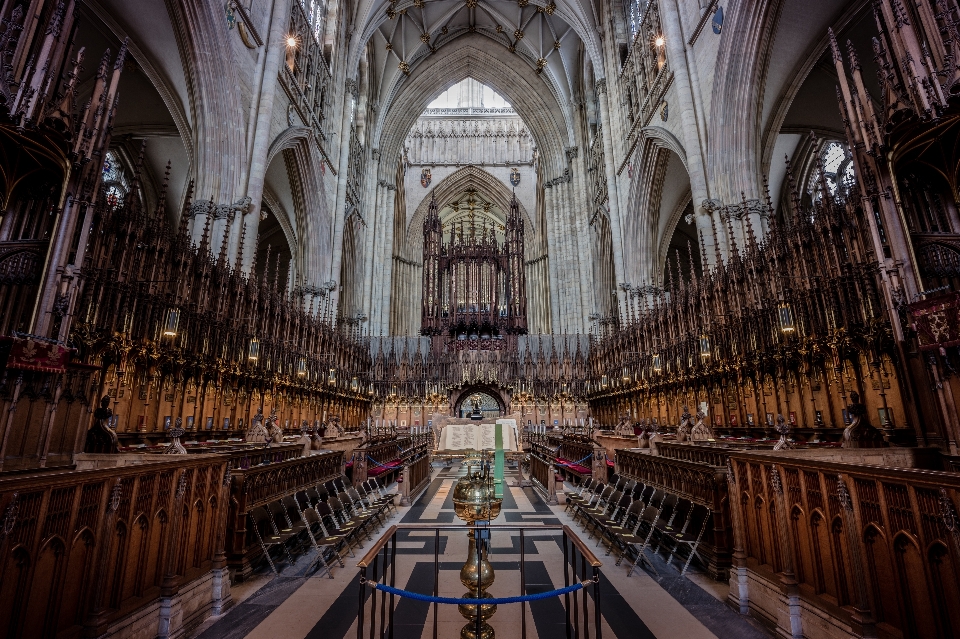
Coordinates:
175 447
843 494
257 434
783 427
700 431
115 494
10 514
101 438
775 480
683 430
860 433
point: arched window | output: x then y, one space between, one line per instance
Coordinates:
634 12
837 170
316 13
114 181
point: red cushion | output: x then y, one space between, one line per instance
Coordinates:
610 463
377 471
577 468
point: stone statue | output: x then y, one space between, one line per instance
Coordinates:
274 432
643 441
683 430
256 434
784 429
335 422
100 437
860 434
701 432
317 443
623 426
175 447
306 437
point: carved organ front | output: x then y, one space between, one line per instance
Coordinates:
474 291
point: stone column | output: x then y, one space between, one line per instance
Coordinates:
616 224
275 52
677 58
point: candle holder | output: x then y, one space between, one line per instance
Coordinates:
474 499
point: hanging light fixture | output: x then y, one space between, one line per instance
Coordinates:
705 347
626 375
302 367
657 363
785 313
370 389
354 385
332 378
603 382
253 353
172 323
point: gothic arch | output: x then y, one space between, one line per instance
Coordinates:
661 180
472 56
453 185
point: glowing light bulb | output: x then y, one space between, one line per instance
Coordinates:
659 41
291 41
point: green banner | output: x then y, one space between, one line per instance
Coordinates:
498 460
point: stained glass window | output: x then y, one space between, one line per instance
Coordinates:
114 180
316 12
837 170
634 11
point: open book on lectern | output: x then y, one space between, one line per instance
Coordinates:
478 436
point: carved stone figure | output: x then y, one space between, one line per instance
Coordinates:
683 430
100 437
623 426
783 427
256 434
860 433
175 447
335 422
643 440
306 437
274 432
701 432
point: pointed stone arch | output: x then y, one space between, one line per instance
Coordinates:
473 57
450 187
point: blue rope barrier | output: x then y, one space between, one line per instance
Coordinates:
375 462
470 601
577 463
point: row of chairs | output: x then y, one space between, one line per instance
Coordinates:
633 518
330 518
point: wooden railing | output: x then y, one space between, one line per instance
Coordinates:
701 484
263 484
251 457
873 548
541 466
416 469
709 455
85 550
381 452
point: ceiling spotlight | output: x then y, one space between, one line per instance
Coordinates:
291 41
658 42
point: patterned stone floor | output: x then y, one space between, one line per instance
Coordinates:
296 605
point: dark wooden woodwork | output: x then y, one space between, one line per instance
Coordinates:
864 543
260 485
83 549
698 482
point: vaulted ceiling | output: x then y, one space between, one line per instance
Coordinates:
548 38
